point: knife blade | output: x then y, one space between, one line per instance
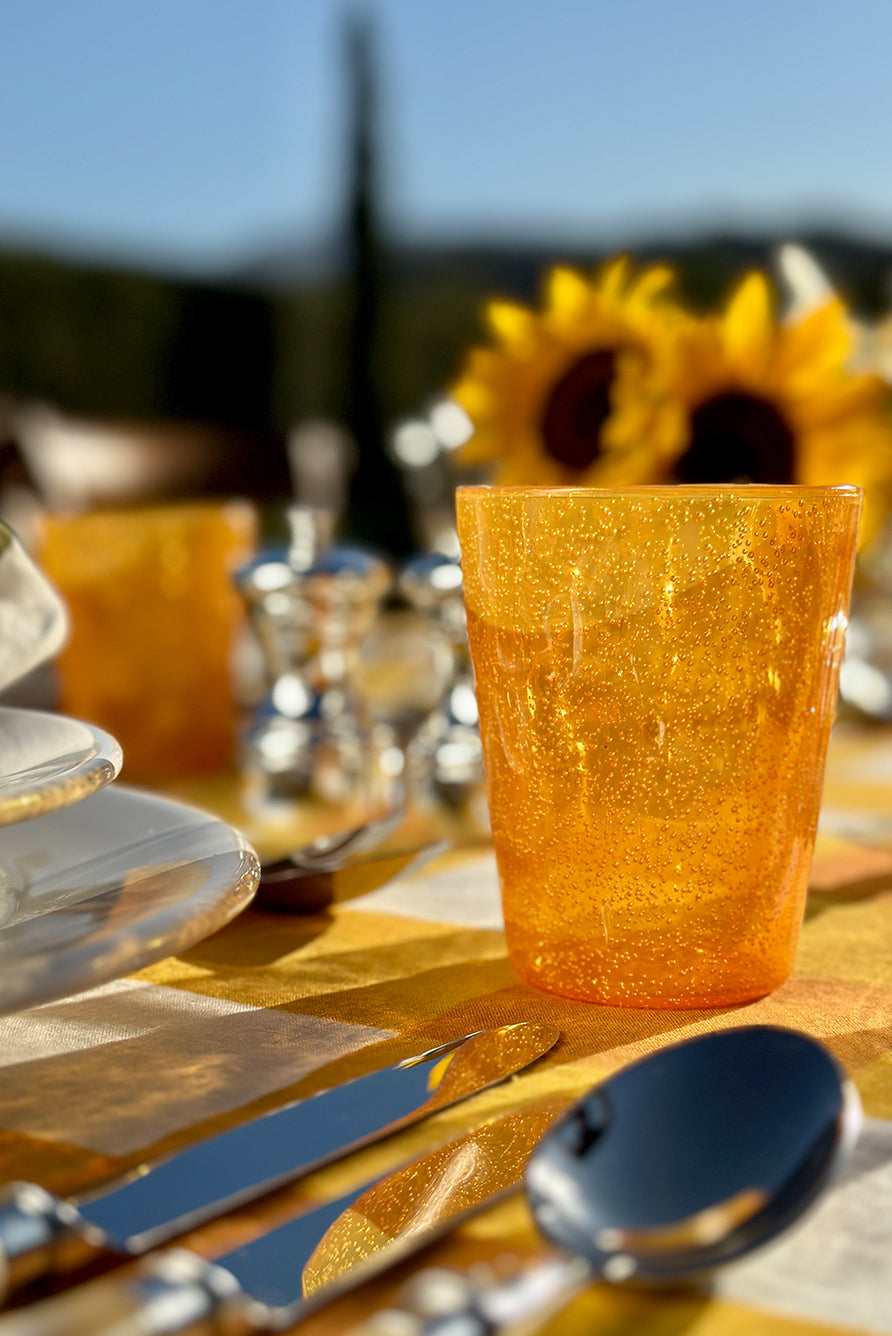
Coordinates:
263 1286
42 1233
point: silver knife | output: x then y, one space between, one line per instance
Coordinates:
41 1233
261 1287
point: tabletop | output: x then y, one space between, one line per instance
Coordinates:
274 1007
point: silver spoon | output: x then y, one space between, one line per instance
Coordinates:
340 866
326 853
682 1162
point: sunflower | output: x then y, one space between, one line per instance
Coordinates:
576 393
771 402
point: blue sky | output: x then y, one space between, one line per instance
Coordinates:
195 132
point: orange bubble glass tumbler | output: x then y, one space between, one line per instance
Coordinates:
155 623
656 674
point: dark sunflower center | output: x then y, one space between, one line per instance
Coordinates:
738 437
577 408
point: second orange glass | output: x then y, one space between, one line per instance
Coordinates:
656 674
155 625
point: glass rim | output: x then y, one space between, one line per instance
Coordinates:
694 489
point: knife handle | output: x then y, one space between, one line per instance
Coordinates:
173 1293
39 1233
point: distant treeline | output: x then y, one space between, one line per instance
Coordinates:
110 343
266 352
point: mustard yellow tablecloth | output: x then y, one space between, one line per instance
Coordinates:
273 1007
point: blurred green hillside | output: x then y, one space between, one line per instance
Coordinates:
265 350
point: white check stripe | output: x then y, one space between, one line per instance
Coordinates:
70 1070
465 893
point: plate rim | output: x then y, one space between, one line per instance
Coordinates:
137 944
24 801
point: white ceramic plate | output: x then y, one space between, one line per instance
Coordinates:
94 891
49 761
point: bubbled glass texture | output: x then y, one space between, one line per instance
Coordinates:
656 673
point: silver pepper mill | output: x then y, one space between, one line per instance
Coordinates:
310 605
444 759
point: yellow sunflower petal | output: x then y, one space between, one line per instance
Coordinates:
856 452
614 278
510 323
651 283
474 397
819 343
566 292
838 399
748 329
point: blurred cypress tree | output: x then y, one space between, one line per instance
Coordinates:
377 507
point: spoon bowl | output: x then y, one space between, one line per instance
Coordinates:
694 1155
